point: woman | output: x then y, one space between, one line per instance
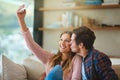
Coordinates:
64 57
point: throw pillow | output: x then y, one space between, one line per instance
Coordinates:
12 71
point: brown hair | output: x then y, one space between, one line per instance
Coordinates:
57 58
84 35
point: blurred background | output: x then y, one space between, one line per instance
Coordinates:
12 43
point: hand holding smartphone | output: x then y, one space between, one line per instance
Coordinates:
24 6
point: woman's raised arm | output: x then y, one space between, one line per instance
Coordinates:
42 54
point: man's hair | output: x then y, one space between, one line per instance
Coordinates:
84 35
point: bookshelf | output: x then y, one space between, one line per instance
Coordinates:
81 7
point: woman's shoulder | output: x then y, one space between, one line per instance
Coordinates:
77 58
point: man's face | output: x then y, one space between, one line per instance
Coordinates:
74 46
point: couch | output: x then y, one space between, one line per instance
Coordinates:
30 69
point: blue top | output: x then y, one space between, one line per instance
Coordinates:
55 74
83 71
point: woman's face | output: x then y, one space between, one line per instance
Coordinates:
64 43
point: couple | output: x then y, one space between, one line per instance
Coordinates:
76 59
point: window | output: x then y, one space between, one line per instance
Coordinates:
12 43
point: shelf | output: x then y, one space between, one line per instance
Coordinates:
71 28
81 7
53 29
104 28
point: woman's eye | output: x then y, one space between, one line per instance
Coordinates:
67 40
60 40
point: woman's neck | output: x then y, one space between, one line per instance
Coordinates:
64 56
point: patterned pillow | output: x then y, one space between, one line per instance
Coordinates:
11 70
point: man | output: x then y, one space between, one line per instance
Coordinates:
95 64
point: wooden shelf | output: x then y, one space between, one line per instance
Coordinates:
104 28
71 28
81 7
56 29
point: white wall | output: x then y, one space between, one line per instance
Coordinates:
107 41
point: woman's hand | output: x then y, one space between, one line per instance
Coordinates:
21 12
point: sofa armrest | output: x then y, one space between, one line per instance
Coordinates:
34 68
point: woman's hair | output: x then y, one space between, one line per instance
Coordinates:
57 58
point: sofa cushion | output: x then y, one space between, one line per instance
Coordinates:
33 67
11 70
